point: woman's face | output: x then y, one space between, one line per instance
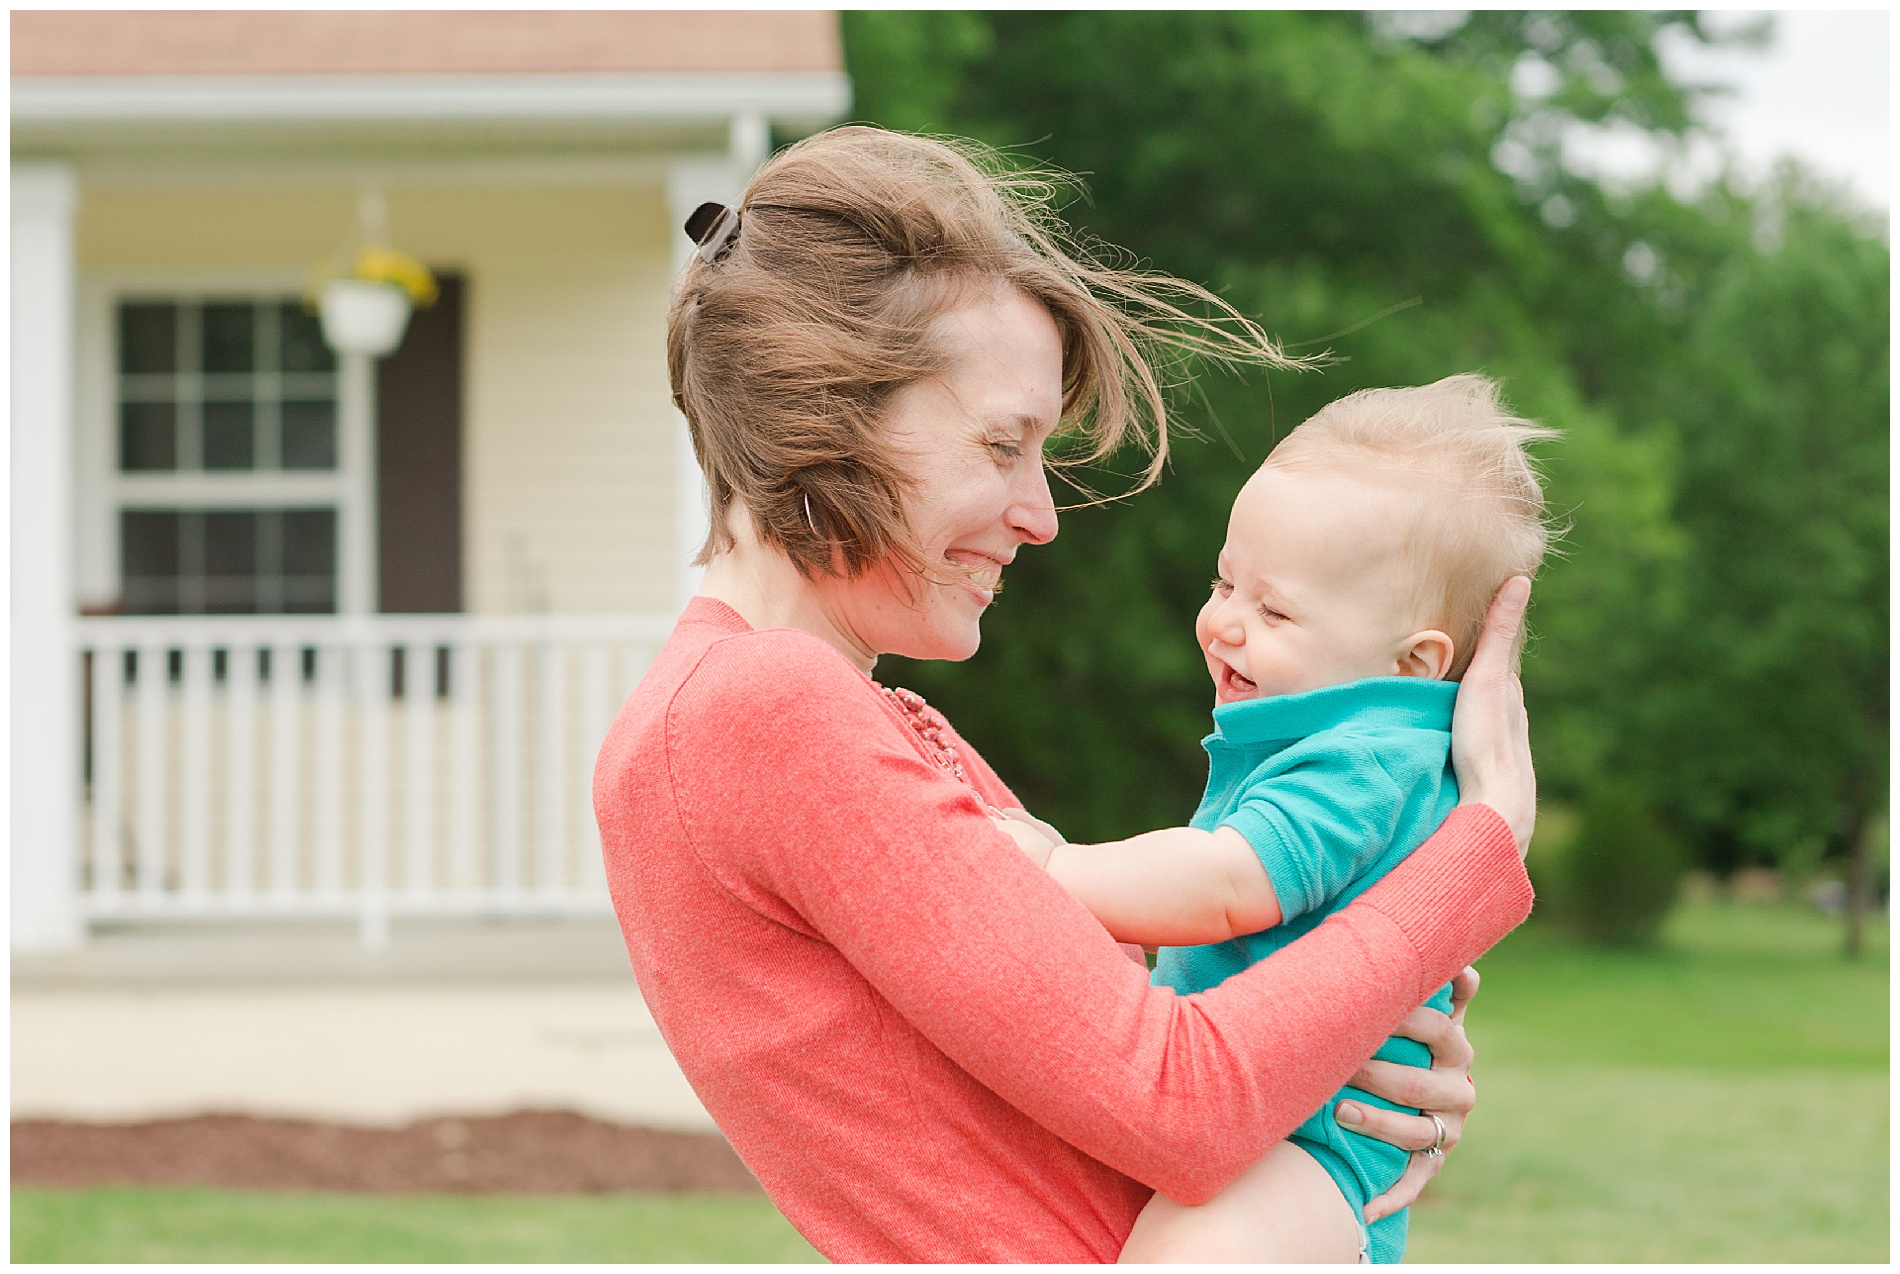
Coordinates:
974 438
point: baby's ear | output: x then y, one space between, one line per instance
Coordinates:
1426 654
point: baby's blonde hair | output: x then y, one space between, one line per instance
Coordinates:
1478 517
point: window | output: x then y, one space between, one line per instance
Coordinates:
227 457
228 561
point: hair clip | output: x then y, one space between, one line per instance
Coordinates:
713 227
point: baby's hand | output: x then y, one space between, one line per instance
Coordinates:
1028 838
1024 816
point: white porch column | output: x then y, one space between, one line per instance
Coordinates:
357 541
691 181
43 735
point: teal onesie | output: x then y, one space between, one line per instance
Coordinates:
1332 788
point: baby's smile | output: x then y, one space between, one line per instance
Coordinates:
1230 684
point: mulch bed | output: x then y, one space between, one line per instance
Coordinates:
530 1152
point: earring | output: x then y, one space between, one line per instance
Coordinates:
810 521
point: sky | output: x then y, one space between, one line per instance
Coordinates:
1819 92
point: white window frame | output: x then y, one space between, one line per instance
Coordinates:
102 490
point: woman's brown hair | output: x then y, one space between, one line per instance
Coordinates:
785 351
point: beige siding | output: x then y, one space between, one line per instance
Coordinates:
568 486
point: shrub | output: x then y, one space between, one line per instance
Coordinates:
1623 870
1549 861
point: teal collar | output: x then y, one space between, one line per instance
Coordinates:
1402 702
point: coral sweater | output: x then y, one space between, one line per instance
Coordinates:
924 1048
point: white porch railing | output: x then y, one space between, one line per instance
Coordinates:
250 767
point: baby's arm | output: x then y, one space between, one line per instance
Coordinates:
1322 820
1172 888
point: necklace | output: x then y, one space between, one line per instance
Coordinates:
929 727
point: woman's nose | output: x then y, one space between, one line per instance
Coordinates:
1033 513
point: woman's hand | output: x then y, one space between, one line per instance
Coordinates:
1445 1090
1490 735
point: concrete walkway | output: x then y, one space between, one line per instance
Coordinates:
445 1020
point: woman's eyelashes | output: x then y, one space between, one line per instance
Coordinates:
1006 451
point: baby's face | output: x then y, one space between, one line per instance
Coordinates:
1313 590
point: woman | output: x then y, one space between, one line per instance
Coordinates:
922 1046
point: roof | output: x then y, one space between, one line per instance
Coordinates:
149 87
421 42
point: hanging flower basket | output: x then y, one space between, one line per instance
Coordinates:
368 311
386 265
362 317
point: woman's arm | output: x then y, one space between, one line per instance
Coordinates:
807 800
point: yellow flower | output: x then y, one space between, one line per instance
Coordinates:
386 265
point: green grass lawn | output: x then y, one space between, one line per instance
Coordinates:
1723 1099
142 1224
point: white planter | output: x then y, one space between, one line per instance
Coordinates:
361 317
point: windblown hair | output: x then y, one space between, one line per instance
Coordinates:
1476 513
785 351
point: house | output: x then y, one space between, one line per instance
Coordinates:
299 635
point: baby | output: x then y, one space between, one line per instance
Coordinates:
1358 566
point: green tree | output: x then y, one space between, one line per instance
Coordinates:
1782 411
1325 169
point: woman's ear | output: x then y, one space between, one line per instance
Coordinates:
1426 654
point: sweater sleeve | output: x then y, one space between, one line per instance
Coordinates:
802 794
988 784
